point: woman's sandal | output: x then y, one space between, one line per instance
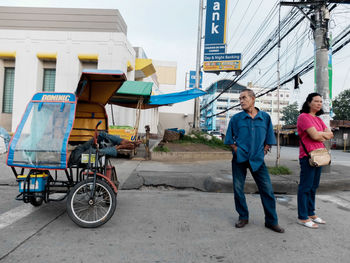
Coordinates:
318 220
308 224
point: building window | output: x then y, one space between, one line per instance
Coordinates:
9 81
49 79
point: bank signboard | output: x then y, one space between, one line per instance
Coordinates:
215 25
214 49
221 57
215 57
221 65
222 62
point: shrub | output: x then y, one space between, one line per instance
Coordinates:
203 138
276 170
161 149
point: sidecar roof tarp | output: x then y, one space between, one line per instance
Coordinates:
171 98
41 138
131 92
94 90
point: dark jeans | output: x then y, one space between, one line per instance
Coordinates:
262 180
309 182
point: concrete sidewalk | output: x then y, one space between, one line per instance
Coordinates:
215 176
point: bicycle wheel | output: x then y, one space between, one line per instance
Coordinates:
36 201
91 212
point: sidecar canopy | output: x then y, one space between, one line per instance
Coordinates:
41 138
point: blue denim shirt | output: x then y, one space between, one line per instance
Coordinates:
250 135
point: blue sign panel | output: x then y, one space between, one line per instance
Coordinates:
54 97
214 49
222 57
192 82
215 25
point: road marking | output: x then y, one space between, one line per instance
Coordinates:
16 214
335 200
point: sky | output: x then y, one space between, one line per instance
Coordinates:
167 30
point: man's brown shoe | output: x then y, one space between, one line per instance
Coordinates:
241 223
275 228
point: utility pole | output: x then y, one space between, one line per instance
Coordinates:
196 113
321 59
278 90
321 66
319 24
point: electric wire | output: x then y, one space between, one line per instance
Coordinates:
235 79
234 31
307 65
303 71
258 57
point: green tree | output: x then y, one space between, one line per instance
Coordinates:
290 114
341 106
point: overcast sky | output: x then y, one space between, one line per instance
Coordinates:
167 30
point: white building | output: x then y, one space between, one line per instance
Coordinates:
45 49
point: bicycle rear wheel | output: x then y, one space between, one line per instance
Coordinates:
91 212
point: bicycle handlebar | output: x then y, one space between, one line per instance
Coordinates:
96 132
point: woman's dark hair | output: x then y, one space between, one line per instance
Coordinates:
306 107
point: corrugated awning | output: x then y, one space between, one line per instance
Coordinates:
143 68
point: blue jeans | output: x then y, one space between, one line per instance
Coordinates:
309 182
262 180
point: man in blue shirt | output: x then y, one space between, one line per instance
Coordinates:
250 135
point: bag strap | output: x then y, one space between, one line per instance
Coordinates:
301 141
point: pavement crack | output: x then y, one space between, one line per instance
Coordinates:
31 236
168 187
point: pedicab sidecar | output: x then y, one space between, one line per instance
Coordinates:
38 151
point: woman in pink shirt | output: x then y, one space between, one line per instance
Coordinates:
313 132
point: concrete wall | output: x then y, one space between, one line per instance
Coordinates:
175 120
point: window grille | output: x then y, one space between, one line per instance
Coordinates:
49 80
9 81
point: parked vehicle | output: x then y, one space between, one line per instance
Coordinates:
216 134
38 152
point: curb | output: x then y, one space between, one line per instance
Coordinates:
190 156
221 183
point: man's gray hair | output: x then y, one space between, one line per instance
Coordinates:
250 92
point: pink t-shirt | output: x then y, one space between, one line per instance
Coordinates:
306 121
